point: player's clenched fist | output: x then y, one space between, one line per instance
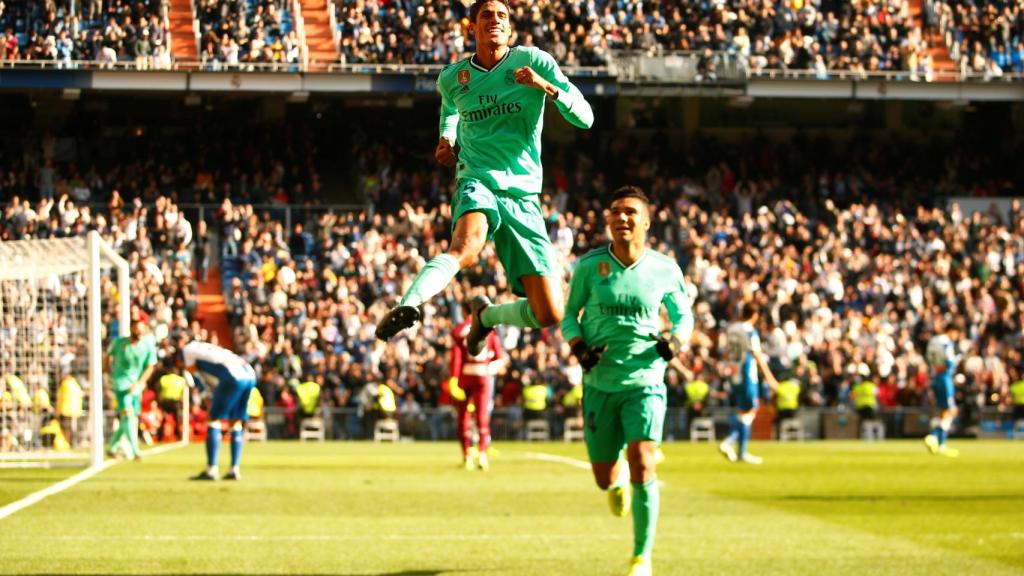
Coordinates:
444 153
528 77
588 356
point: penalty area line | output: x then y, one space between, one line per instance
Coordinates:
63 485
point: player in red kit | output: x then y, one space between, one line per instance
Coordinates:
472 387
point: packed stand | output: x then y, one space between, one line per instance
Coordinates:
982 37
849 278
793 35
237 32
815 232
104 31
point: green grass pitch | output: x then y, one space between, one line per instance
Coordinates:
357 509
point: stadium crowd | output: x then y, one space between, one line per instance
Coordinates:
236 32
103 31
792 35
816 36
983 37
839 243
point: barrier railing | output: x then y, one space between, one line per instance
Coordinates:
508 423
625 66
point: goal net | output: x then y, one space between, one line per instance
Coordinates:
60 300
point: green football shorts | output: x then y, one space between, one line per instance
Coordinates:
516 226
614 419
126 401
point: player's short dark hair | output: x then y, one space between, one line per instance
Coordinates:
474 10
630 191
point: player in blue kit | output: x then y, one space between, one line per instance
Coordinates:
942 360
232 379
743 351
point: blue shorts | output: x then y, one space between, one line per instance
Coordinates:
945 395
745 395
231 399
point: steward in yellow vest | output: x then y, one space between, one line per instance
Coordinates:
309 397
1017 394
696 399
255 406
535 401
865 399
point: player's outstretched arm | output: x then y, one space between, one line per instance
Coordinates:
544 74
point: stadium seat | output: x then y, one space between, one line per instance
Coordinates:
791 429
386 431
311 429
1018 429
538 431
573 430
872 430
256 431
702 429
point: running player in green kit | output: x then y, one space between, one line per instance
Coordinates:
492 107
620 289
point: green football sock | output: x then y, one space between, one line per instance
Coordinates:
516 313
434 276
122 430
646 504
133 434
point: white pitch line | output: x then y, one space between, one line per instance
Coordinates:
36 497
574 462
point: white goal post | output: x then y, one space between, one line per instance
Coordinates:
51 326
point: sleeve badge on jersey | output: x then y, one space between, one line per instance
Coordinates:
604 269
463 77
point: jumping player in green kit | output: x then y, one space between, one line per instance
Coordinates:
620 289
492 107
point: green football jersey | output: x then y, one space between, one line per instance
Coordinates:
498 123
621 308
130 361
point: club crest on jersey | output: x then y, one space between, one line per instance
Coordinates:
604 268
510 77
463 78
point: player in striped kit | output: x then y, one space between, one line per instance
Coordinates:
231 380
472 383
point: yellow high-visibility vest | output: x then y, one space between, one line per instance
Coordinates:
386 399
787 397
535 397
18 391
574 397
865 395
41 400
309 396
69 398
1017 392
172 387
696 391
255 406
